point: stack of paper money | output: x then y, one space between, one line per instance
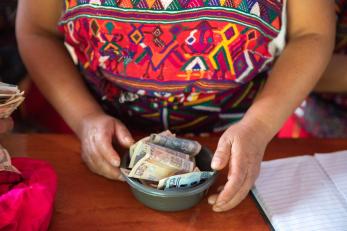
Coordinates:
164 161
10 98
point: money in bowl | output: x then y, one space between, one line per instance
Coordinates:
167 173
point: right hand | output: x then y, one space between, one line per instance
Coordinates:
97 133
6 125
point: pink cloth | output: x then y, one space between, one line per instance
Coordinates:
28 205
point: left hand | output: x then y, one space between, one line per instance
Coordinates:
242 145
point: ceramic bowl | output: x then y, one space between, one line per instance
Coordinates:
172 200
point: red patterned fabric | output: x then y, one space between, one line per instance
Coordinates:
179 64
189 46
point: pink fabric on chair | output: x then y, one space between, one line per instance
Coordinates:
28 205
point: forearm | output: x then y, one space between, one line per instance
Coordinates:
294 75
58 79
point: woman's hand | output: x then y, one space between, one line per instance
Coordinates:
292 77
241 146
97 133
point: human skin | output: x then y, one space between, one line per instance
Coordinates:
294 75
242 145
6 125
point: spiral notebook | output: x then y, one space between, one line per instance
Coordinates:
305 192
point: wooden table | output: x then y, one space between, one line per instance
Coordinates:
88 202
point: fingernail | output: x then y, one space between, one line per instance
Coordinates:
216 162
115 163
212 200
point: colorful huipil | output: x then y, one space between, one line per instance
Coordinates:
192 65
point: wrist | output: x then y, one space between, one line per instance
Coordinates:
261 125
84 119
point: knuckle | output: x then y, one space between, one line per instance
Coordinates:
98 137
223 140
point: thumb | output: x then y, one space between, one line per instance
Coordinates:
123 135
221 156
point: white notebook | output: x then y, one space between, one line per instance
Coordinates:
304 193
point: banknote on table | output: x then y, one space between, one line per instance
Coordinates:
187 180
5 159
8 173
10 99
182 145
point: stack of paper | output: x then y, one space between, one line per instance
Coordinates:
305 193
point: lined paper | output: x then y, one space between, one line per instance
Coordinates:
297 194
335 165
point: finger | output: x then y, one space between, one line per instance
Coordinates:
213 198
102 145
110 171
123 135
238 197
220 188
233 185
6 125
86 157
100 166
239 159
105 169
221 156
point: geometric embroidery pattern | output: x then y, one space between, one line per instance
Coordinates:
174 49
173 45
